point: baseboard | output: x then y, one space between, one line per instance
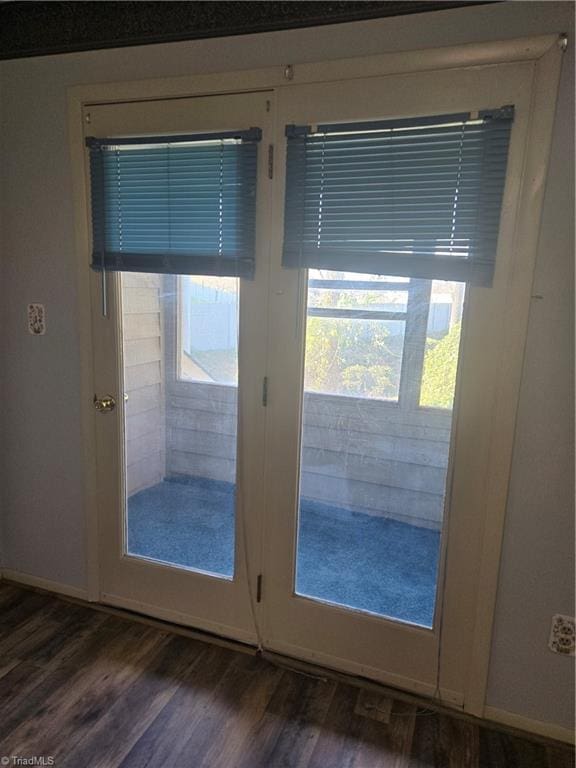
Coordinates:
50 586
512 720
180 619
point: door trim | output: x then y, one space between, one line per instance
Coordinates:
449 57
175 617
546 54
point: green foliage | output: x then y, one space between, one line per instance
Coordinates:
350 357
345 357
360 358
372 379
440 365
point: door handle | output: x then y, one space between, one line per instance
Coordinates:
104 404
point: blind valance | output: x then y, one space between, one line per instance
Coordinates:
418 197
175 204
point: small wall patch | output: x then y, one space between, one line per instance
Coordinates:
36 319
562 635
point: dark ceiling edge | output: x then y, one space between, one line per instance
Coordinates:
269 26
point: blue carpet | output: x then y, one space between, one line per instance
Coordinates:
344 557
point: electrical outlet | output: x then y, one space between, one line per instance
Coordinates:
562 635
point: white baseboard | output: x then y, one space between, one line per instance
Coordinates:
182 619
549 730
47 584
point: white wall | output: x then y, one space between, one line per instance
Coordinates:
537 570
42 521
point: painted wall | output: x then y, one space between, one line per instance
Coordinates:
537 569
42 523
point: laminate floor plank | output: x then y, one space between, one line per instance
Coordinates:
93 689
17 697
81 697
21 607
242 700
560 758
357 741
502 750
48 633
27 686
7 665
339 743
72 642
288 728
388 744
114 734
444 741
190 713
9 595
36 689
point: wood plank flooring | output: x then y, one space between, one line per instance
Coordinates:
87 688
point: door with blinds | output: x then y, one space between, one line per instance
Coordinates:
179 208
298 301
387 293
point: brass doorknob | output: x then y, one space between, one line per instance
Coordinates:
104 404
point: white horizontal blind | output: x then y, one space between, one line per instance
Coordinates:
417 197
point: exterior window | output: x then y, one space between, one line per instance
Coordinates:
384 338
208 329
355 334
368 336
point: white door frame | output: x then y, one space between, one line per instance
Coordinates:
544 52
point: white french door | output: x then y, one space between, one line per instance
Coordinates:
301 460
376 495
180 456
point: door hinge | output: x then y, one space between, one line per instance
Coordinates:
265 391
270 161
259 588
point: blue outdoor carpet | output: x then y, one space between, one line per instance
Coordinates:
369 563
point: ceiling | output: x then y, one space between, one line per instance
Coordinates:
41 28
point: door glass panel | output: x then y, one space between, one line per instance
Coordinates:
180 361
379 388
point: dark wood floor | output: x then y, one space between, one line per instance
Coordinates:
91 689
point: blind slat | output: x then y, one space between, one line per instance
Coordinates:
414 197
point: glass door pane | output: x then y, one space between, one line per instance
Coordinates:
180 353
380 370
